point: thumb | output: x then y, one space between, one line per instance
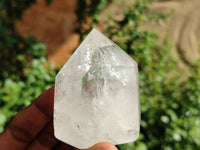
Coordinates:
103 146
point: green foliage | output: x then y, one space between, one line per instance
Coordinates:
88 13
17 94
23 75
12 43
170 100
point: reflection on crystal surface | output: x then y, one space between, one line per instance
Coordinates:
96 95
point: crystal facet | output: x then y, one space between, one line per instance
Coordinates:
97 95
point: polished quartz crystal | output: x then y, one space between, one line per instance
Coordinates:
97 95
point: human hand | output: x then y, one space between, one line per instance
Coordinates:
32 129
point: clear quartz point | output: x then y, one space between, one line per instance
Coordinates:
97 95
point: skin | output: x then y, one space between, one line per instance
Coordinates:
32 129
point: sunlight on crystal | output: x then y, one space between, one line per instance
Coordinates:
97 95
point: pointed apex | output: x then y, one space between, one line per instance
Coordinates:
95 32
96 39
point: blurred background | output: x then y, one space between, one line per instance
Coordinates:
38 36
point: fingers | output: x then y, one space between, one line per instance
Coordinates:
45 140
99 146
32 129
103 146
28 123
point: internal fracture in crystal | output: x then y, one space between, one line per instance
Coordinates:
97 95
